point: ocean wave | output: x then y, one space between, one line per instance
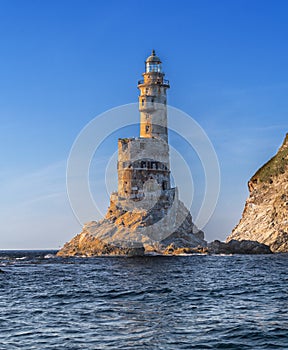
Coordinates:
150 303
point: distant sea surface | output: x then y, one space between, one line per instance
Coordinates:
184 302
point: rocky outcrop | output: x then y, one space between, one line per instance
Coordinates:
238 247
265 216
86 244
137 231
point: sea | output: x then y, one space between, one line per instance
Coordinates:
152 302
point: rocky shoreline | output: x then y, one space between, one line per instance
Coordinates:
85 245
138 232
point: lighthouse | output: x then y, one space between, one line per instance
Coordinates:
145 214
143 162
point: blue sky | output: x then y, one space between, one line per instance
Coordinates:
65 62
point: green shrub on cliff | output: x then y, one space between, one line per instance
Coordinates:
275 166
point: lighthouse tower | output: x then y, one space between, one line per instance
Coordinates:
143 162
152 100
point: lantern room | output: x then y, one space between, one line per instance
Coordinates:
153 63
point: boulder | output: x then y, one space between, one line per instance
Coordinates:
238 247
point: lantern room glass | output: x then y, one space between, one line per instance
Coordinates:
153 67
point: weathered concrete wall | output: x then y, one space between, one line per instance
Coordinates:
152 106
143 165
141 148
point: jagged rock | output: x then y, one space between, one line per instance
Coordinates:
265 216
173 249
135 232
238 247
86 245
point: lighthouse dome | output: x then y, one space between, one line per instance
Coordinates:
153 58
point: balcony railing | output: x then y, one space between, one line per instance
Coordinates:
165 82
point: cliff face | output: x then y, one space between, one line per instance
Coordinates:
265 216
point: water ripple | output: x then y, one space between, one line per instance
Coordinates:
193 302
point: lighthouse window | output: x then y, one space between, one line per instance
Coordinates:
143 102
164 185
153 67
147 128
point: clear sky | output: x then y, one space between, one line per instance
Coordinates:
65 62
